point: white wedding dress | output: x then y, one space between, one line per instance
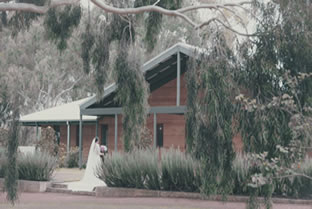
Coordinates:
89 180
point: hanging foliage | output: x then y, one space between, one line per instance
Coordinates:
11 175
132 94
87 42
59 24
20 21
96 45
284 44
210 115
5 105
153 20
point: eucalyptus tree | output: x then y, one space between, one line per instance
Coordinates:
275 112
117 28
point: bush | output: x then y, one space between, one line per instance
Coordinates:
138 169
62 155
72 160
241 169
141 169
179 172
37 166
296 186
48 141
2 162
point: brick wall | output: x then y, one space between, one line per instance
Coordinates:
88 134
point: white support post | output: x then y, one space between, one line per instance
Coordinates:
37 132
155 130
116 131
80 142
68 138
178 78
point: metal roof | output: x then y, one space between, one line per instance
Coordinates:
158 71
60 114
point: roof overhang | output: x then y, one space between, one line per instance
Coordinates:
62 114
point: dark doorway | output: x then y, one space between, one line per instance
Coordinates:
57 133
77 135
160 135
104 131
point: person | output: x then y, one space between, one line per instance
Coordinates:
90 179
98 149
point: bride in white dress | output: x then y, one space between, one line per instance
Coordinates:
89 180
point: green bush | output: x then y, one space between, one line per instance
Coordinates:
138 169
179 172
296 186
37 166
241 168
141 169
2 162
72 159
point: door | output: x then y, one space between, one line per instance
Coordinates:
104 134
160 135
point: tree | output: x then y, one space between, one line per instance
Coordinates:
275 108
213 107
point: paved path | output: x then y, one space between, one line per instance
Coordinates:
65 201
67 174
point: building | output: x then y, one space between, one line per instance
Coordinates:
165 75
64 119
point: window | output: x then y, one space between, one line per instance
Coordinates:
104 134
160 135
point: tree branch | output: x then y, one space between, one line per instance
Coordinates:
143 9
212 6
27 7
68 89
126 11
156 2
224 25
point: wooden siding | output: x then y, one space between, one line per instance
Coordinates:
166 95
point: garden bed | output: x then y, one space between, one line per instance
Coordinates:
129 192
29 186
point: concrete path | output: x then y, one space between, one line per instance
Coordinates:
67 175
65 201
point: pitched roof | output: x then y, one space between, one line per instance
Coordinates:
59 114
156 70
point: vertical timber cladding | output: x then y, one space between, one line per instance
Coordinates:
173 129
173 125
166 95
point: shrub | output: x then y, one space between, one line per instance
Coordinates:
176 171
138 169
4 135
72 160
2 162
241 169
61 154
37 166
296 186
179 172
48 141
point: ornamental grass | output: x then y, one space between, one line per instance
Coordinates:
37 166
